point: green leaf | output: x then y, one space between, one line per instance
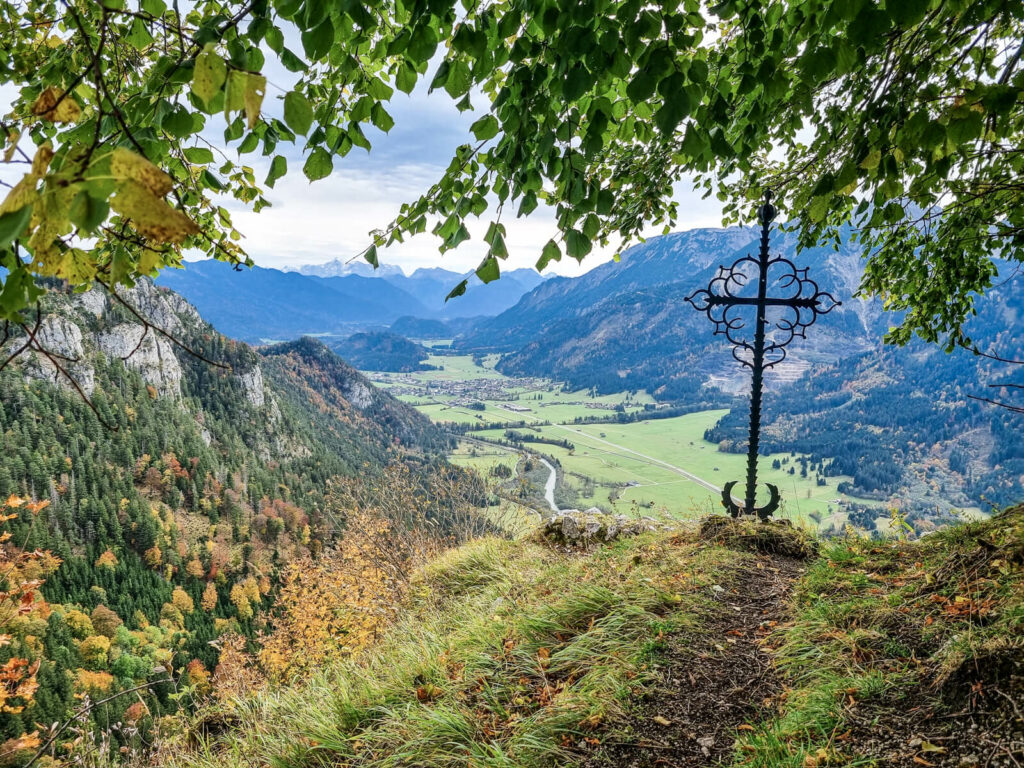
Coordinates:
965 129
550 253
317 42
818 208
198 155
138 36
380 117
577 81
87 212
178 123
405 78
458 80
371 256
577 244
458 290
422 44
906 13
278 168
488 271
672 112
642 86
208 76
318 165
485 128
298 113
154 7
292 62
13 224
693 145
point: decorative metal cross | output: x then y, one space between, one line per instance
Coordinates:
793 310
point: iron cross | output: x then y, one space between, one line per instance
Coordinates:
778 319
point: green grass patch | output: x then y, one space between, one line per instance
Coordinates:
883 628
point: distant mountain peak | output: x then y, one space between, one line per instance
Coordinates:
342 267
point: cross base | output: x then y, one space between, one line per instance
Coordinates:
763 513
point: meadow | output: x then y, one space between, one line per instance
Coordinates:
658 467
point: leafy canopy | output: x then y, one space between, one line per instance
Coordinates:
903 117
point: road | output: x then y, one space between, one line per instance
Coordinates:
549 486
648 459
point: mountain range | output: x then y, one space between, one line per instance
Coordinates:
261 304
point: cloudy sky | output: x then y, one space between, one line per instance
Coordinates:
330 219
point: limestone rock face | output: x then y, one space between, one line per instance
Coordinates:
63 340
252 385
358 394
161 308
150 354
93 301
574 528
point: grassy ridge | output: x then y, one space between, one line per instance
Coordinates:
514 654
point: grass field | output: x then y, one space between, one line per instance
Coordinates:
660 467
652 457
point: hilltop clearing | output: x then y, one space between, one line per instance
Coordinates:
721 644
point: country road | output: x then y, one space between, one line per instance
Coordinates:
648 459
549 486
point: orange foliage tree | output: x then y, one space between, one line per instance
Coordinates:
21 574
338 603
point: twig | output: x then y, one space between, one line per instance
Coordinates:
84 710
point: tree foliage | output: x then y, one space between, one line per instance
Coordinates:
904 118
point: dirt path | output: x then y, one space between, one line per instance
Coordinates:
713 681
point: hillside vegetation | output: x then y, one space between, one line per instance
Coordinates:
152 505
723 643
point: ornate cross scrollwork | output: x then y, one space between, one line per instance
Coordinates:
786 303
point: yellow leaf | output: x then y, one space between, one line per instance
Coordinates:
12 145
151 215
255 89
872 160
208 76
41 160
127 165
149 260
56 106
234 93
23 193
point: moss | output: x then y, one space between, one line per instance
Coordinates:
777 537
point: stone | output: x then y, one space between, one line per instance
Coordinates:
252 385
574 528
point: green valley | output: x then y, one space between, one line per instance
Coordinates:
622 452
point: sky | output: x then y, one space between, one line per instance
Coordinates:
313 223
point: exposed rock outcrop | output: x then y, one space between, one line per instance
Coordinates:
252 385
573 528
151 355
63 340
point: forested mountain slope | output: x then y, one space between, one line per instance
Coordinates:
173 496
626 325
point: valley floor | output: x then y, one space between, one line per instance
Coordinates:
715 644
